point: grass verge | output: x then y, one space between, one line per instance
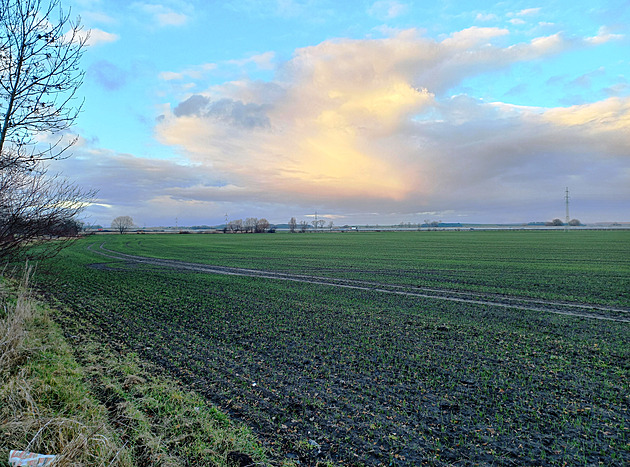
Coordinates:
92 405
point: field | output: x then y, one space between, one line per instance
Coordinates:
379 348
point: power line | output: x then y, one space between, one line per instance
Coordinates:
566 200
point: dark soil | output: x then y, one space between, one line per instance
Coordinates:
364 373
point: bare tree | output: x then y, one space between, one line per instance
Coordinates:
303 226
318 223
250 224
236 225
262 225
292 225
40 51
34 209
122 224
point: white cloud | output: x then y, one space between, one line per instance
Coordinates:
196 72
473 37
263 61
387 9
161 15
486 17
517 21
528 12
98 36
604 35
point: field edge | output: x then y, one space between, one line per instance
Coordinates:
66 394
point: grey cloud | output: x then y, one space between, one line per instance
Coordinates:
194 105
108 75
585 80
618 89
235 112
229 111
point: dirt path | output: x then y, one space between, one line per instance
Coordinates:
519 303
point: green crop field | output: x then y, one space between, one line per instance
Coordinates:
379 348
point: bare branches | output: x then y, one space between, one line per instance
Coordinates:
35 208
122 224
40 53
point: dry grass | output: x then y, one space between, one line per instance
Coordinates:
97 406
43 406
15 314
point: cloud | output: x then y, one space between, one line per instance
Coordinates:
227 111
129 185
196 72
161 15
519 18
621 88
473 37
604 35
263 61
97 17
350 122
528 12
98 36
584 81
194 105
371 125
94 36
387 9
486 17
107 75
608 116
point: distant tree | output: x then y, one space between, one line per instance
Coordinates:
318 223
122 224
67 228
250 224
292 225
262 225
235 226
574 222
303 226
331 224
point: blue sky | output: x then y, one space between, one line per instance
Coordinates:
364 111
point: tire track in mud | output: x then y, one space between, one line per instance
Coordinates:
579 310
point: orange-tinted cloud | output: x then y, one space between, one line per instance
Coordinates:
366 122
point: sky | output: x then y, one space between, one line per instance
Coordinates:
365 112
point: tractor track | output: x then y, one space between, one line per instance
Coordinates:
579 310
